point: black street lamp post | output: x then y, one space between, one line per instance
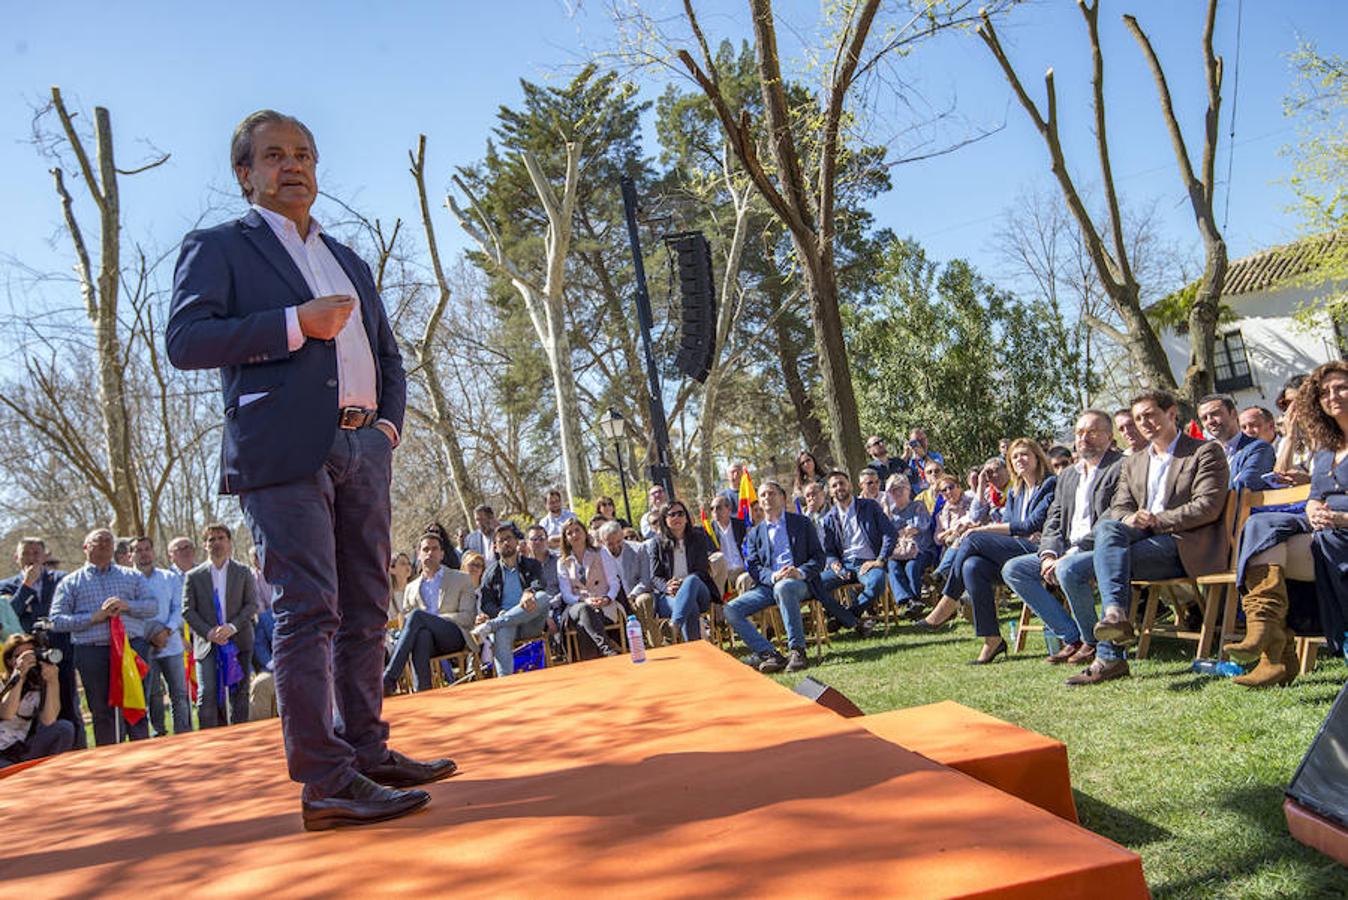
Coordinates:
611 426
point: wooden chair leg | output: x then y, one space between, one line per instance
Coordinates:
1307 652
1020 628
1148 620
1228 632
1211 599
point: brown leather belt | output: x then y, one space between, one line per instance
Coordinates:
349 418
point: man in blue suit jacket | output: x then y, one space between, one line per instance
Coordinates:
858 540
313 393
783 556
1249 459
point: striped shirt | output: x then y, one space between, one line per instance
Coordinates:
83 592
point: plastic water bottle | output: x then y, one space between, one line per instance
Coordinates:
635 640
1224 668
1052 642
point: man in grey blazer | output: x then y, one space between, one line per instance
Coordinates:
628 567
1085 490
437 611
237 589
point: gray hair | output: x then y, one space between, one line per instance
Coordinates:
241 144
608 528
898 478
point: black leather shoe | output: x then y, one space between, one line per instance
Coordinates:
398 771
771 663
361 802
865 627
1000 651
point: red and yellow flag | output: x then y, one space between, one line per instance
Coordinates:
127 671
711 532
747 496
191 663
1195 431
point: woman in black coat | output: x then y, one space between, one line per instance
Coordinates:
680 570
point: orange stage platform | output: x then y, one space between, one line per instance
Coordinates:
688 776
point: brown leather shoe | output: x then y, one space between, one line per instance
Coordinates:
1065 653
1101 670
1084 656
361 802
399 771
1115 628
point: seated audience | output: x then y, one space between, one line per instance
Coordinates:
918 455
807 471
1281 546
399 574
1083 495
914 549
30 705
1258 422
536 545
437 609
605 507
727 562
596 522
82 606
868 484
953 510
681 571
219 604
656 499
627 566
1249 459
589 595
1133 439
1165 521
1059 459
785 560
932 473
880 460
1292 451
557 516
508 601
977 566
483 539
858 539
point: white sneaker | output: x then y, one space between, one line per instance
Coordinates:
482 632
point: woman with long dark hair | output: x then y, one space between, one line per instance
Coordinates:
681 571
807 472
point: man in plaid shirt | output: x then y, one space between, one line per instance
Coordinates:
84 602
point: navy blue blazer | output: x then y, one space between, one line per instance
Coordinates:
807 554
875 525
1252 460
1035 514
230 290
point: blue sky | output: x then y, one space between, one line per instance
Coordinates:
368 77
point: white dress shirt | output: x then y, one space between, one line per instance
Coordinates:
325 277
219 582
1080 525
612 572
729 549
430 591
1158 466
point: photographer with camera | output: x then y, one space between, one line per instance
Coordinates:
30 593
30 700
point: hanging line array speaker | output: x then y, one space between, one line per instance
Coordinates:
697 292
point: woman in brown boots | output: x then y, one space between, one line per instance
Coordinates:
1313 546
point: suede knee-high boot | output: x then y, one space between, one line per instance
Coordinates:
1273 665
1265 605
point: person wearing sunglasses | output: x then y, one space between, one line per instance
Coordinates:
681 570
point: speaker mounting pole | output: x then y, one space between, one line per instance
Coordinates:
659 471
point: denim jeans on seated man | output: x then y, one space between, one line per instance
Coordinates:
1122 553
788 594
424 635
1021 574
515 624
872 583
686 606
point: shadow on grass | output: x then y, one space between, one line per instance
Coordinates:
1261 806
854 653
1117 824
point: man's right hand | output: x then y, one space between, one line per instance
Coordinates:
31 573
323 317
1047 567
481 617
25 661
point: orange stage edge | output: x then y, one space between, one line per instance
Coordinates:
1020 762
688 776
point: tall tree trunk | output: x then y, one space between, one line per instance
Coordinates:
100 298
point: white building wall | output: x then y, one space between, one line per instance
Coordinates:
1278 346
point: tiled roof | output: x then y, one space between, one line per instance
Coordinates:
1269 268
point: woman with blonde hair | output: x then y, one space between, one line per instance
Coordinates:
985 549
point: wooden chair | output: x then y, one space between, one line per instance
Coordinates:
1308 648
1027 622
816 624
464 661
572 637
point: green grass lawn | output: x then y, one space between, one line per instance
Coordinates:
1186 770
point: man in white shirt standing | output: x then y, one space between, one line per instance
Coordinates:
219 603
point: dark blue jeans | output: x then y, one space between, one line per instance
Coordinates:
262 637
872 583
978 569
324 546
788 594
686 606
424 635
1021 574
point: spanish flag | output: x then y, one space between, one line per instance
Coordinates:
127 671
711 533
190 662
747 496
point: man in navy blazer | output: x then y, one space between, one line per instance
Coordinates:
313 394
858 540
1249 459
783 556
